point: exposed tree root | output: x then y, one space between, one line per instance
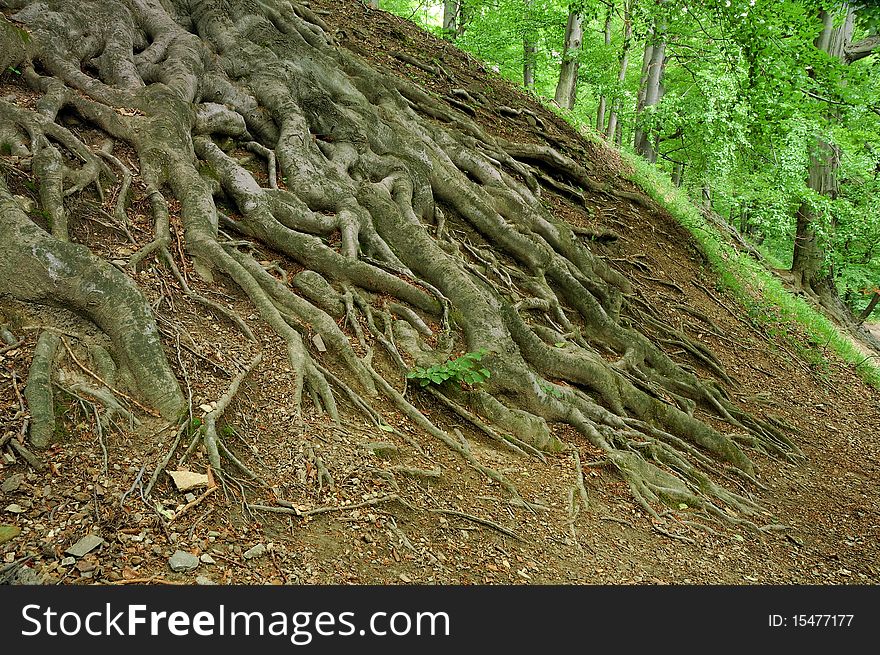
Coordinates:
366 160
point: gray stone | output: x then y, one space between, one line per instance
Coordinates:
68 561
207 559
182 561
85 545
12 483
204 580
257 551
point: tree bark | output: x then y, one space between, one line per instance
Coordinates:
622 68
603 100
863 316
566 88
451 15
677 173
645 143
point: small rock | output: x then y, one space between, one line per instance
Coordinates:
85 545
189 497
86 566
12 483
207 559
257 551
8 532
14 508
182 561
405 578
186 480
204 580
68 561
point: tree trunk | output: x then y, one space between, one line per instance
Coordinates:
646 141
621 71
870 308
677 173
566 89
600 112
647 56
451 10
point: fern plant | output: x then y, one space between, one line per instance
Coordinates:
464 369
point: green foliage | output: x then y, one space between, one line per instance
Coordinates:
464 369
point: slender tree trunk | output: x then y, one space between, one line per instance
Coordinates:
529 49
653 89
528 63
643 87
451 9
600 113
677 173
870 308
566 89
706 197
621 72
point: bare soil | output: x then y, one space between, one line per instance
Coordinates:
457 528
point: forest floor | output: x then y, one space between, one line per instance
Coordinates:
457 527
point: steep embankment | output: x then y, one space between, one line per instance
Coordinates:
447 522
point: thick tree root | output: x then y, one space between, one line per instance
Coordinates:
427 236
39 390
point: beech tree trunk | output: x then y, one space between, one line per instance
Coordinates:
646 141
451 14
566 88
622 68
600 112
647 54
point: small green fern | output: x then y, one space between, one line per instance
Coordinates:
464 369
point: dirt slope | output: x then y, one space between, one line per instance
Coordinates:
457 527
